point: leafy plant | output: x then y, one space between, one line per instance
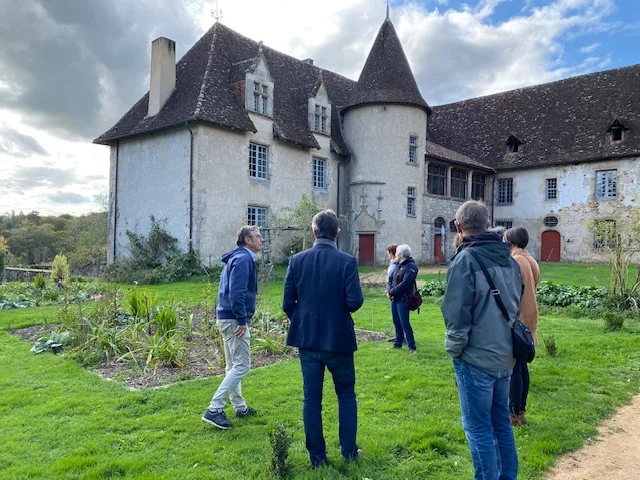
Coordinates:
433 289
39 281
613 320
54 342
550 345
60 269
280 441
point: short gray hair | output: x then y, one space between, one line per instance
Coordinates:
473 217
244 232
326 224
404 250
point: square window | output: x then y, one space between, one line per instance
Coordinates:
505 191
258 161
411 201
319 173
606 185
257 216
478 183
436 179
458 183
552 189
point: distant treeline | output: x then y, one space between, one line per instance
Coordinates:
33 239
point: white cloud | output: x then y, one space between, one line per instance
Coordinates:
590 48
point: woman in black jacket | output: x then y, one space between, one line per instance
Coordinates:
402 288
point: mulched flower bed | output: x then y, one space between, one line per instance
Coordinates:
203 360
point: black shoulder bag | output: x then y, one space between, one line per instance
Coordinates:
524 349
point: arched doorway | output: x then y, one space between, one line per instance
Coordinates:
550 251
438 246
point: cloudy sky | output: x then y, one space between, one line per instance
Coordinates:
69 69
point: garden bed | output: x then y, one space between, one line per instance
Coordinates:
203 359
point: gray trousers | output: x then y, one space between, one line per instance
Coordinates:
237 355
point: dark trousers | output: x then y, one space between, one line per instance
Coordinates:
400 314
519 388
342 369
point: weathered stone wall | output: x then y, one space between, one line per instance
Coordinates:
23 274
576 206
152 179
223 189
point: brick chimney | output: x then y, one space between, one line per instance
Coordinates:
163 73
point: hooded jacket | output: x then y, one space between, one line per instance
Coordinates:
477 332
238 287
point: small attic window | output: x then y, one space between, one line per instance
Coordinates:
513 144
616 130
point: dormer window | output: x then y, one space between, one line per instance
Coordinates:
319 109
513 144
259 88
616 130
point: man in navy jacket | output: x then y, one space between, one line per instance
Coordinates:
236 305
321 290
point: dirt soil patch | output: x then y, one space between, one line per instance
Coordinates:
203 360
615 453
378 279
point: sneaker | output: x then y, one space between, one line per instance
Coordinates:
246 412
394 347
412 351
392 339
217 419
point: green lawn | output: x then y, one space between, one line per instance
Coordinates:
60 421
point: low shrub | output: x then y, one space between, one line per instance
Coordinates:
54 342
613 320
563 295
550 345
280 441
60 269
433 289
39 281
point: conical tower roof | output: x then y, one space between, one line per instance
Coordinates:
387 76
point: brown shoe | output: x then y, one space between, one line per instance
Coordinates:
515 420
522 419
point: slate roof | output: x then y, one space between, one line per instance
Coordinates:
441 153
558 123
205 91
387 76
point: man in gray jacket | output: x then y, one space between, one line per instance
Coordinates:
478 339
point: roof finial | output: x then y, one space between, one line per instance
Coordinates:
216 12
387 9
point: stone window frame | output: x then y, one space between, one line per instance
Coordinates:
504 191
459 182
261 94
607 184
551 190
478 185
603 239
412 195
255 163
437 179
317 163
503 222
550 221
413 149
257 215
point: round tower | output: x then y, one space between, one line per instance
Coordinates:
385 126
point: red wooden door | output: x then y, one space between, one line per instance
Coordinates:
438 256
365 249
550 246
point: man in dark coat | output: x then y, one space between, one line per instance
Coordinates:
321 290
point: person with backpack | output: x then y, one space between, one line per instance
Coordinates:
401 289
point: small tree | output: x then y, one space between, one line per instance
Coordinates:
60 269
618 240
297 219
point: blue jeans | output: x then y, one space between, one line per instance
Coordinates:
342 369
484 403
400 314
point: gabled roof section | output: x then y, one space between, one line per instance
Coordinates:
206 90
439 152
562 122
387 76
616 124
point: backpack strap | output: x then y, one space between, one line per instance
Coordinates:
495 293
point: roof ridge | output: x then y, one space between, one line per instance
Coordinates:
537 85
205 77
